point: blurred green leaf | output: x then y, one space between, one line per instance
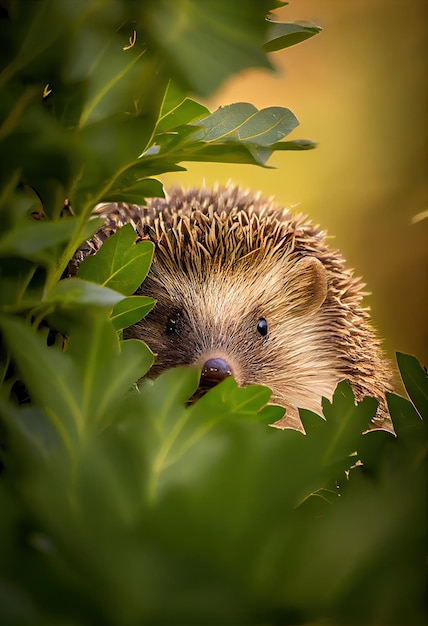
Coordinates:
21 284
120 263
37 364
35 240
203 44
281 36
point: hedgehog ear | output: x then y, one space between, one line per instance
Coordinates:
306 288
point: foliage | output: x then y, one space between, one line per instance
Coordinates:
123 503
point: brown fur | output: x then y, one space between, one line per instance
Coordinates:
224 259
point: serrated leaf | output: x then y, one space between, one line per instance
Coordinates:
336 438
416 382
281 35
120 263
131 310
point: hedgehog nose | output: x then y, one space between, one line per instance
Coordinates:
214 371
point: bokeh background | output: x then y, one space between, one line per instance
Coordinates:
360 90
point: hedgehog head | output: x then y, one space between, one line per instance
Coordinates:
243 288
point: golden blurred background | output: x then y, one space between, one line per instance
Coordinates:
359 89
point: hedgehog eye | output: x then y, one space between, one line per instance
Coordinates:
262 327
171 326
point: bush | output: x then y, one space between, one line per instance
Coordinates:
120 503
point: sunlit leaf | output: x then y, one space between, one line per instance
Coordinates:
120 263
244 122
184 113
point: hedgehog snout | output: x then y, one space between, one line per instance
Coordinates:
214 370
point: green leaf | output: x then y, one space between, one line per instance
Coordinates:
35 240
133 187
335 439
131 310
119 264
243 122
297 144
284 35
416 382
75 293
50 377
178 428
412 432
202 44
184 113
21 285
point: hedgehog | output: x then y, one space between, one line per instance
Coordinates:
245 288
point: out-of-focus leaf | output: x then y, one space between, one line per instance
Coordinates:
21 283
202 44
130 311
337 437
281 36
120 263
35 239
416 382
37 364
411 430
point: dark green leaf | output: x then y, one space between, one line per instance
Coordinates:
297 144
133 187
416 382
202 44
35 239
284 35
411 430
120 263
21 285
37 364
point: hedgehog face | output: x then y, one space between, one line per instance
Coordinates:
247 289
242 323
